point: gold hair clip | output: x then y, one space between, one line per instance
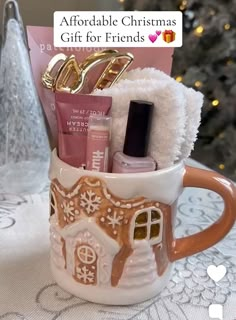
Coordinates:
114 70
50 75
68 77
71 76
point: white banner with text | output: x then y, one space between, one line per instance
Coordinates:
118 29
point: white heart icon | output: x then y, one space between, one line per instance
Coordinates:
216 273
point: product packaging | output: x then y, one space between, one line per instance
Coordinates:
40 41
72 112
98 143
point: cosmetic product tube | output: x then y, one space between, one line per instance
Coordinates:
134 157
73 112
98 141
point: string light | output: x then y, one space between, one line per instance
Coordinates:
221 166
198 84
183 5
199 30
212 12
215 103
227 26
229 62
221 135
121 1
179 78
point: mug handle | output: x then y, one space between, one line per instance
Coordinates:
199 178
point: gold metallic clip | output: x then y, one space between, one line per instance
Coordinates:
50 75
112 73
71 76
118 63
68 77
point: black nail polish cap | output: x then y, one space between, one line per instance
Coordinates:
138 128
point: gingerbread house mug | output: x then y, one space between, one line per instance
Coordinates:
112 234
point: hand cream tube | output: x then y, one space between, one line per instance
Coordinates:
73 112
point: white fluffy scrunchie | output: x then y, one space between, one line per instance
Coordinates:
176 115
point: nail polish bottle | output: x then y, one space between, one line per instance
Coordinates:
134 157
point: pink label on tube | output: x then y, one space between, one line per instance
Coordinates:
98 140
73 113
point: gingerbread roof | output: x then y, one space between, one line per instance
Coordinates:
90 200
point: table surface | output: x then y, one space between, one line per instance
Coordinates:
28 291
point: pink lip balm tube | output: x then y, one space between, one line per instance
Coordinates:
98 142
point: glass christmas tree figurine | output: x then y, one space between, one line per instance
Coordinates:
24 147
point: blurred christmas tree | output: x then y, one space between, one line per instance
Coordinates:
207 62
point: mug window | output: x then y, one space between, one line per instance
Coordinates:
86 254
148 225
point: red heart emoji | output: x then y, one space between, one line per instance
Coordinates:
152 37
158 32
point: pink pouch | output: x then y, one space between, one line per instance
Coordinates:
40 41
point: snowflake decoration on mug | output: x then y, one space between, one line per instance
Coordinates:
90 201
113 219
85 275
69 210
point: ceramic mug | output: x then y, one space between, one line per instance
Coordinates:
112 234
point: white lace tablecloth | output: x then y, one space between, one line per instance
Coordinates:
28 291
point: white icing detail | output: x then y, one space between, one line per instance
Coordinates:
114 220
84 232
86 254
90 201
69 195
90 184
109 210
102 219
68 209
85 275
157 204
115 232
118 203
89 224
106 194
56 244
140 268
91 241
70 259
103 258
136 204
126 206
87 234
105 272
